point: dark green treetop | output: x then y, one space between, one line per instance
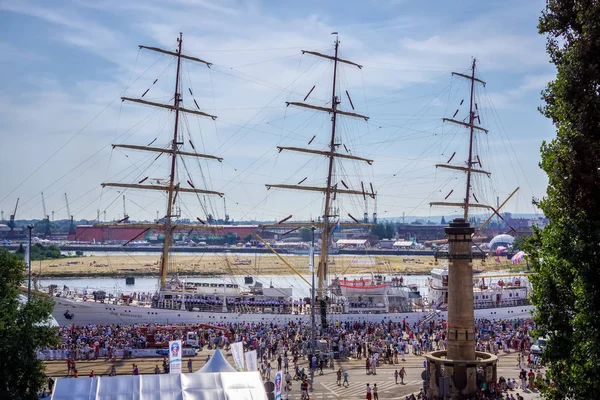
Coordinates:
23 330
566 254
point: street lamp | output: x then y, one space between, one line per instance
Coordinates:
30 227
312 307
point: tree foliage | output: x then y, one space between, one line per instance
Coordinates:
565 253
519 243
39 252
22 331
305 234
384 231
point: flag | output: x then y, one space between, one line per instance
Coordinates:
175 357
278 381
251 360
337 226
517 258
237 351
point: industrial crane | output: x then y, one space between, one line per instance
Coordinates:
72 222
125 216
225 209
47 231
375 210
11 222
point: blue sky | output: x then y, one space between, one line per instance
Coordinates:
64 65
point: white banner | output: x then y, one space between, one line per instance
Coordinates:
237 351
175 357
311 257
251 360
27 255
278 381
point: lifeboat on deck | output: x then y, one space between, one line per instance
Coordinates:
363 288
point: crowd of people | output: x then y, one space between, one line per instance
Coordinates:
282 347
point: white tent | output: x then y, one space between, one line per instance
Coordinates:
217 363
196 386
403 244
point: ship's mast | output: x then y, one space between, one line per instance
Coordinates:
173 188
469 170
327 214
174 145
470 159
331 189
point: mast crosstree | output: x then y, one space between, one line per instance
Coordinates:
173 188
469 170
330 190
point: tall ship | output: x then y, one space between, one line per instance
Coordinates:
333 298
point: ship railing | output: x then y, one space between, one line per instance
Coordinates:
502 303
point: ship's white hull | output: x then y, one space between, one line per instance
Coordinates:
89 312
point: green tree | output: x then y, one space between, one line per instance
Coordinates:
564 254
379 231
231 238
390 231
39 252
305 234
519 243
22 331
248 238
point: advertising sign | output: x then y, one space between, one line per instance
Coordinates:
175 357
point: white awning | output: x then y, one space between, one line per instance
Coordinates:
195 386
353 242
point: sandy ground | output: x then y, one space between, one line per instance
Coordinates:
258 264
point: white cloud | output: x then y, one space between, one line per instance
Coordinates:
536 82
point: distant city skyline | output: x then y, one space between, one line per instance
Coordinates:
407 218
66 64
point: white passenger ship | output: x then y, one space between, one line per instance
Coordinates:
380 298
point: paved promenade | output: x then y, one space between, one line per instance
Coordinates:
325 387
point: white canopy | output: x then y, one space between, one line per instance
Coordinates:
352 242
217 363
195 386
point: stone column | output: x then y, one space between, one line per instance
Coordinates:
461 315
